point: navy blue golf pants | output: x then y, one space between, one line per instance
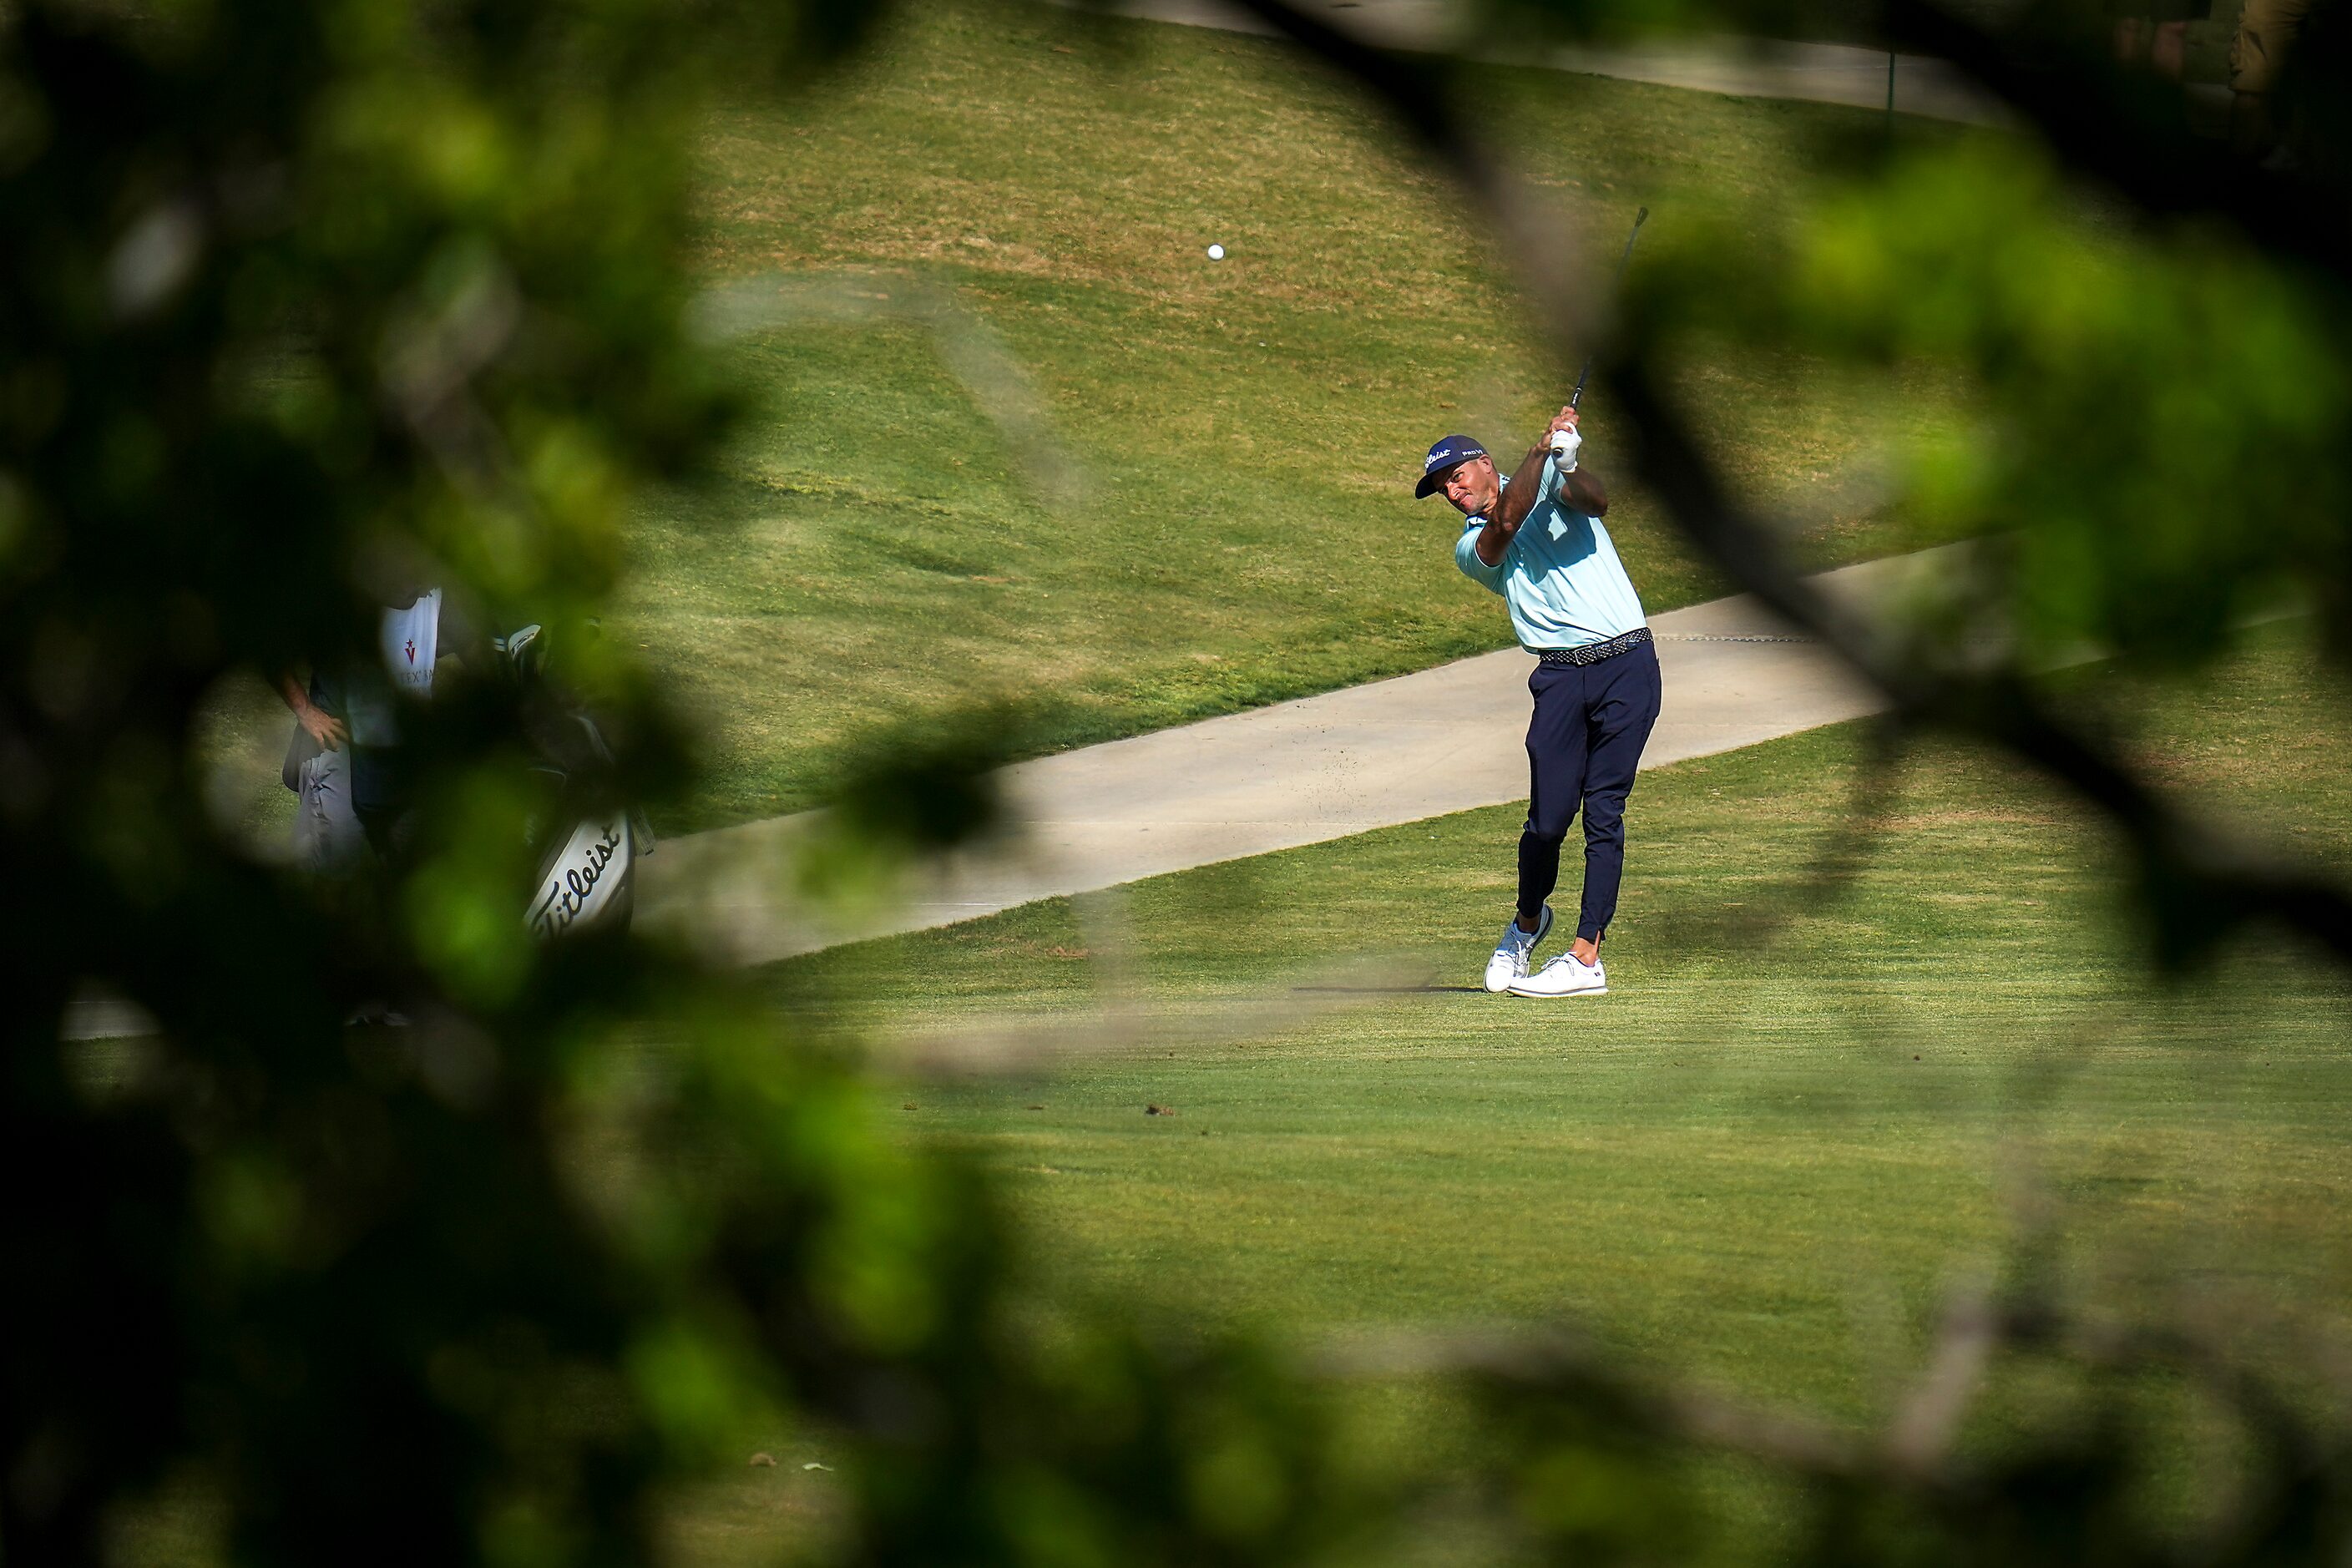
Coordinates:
1591 722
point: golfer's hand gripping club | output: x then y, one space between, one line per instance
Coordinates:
1563 438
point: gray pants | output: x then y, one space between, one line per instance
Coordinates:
327 835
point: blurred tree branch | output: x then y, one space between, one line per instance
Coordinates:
1561 1391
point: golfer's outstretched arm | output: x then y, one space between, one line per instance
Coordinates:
1519 498
1584 491
1578 488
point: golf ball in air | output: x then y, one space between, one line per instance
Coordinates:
1216 253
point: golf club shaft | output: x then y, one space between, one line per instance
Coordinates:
1641 216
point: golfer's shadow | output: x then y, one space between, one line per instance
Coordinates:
1387 989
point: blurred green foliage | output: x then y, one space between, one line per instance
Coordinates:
2160 417
300 303
914 790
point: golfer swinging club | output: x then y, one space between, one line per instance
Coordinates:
1536 540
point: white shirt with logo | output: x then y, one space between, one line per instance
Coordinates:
410 639
1559 574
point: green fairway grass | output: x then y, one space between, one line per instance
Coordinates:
1190 493
1800 1117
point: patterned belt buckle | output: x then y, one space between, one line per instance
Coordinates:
1593 653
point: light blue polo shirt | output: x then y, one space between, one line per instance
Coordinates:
1559 574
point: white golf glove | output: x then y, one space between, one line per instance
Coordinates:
1564 444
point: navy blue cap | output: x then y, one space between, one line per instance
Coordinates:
1444 458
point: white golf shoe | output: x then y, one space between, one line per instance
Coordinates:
1566 976
1510 965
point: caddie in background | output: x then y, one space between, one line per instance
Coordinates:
346 763
1536 540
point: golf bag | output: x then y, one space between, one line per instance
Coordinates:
585 843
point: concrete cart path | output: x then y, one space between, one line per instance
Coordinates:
1742 68
1421 745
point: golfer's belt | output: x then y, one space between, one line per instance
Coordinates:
1593 652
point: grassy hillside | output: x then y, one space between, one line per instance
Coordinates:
1022 437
